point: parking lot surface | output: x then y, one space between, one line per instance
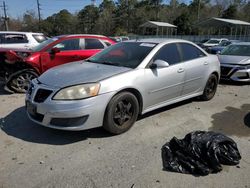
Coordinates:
35 156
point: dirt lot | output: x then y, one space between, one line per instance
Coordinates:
35 156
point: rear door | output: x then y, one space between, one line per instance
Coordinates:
196 67
91 46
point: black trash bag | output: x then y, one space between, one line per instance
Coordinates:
199 153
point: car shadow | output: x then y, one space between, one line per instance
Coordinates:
232 83
18 125
232 121
166 108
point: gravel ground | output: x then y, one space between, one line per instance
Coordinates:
35 156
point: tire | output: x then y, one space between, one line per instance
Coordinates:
121 113
19 82
210 88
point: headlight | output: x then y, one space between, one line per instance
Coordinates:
77 92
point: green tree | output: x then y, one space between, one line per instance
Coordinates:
230 12
106 22
87 18
183 24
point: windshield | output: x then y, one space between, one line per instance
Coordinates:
126 54
212 41
237 50
225 43
43 44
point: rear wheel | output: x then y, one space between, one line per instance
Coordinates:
121 113
210 88
20 82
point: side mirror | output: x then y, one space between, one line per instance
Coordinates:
159 64
55 50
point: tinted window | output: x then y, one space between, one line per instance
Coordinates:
168 53
213 41
107 43
39 38
93 44
71 44
125 54
190 52
13 38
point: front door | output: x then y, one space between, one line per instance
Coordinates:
164 84
69 52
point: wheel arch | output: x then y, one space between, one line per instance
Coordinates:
137 95
216 74
135 92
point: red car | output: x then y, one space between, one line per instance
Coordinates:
20 66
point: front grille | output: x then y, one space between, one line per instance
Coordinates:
69 122
225 70
42 95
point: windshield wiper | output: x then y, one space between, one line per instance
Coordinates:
101 62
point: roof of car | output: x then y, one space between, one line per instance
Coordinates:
79 35
158 40
19 32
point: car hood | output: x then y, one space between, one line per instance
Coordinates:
239 60
79 73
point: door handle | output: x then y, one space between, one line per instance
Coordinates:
205 63
180 70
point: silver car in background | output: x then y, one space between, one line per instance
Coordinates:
235 62
113 87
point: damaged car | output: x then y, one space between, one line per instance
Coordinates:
113 87
19 67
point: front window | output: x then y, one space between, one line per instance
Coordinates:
237 50
127 54
43 44
68 45
225 43
212 41
39 38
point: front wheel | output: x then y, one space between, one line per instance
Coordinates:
121 113
19 82
210 88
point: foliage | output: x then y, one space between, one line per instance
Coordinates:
124 17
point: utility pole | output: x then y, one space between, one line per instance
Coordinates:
5 17
39 13
199 7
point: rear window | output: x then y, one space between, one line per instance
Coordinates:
13 38
39 38
190 52
93 44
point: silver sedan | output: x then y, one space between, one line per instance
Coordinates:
113 87
235 62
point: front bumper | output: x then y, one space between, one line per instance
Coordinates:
235 72
71 115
